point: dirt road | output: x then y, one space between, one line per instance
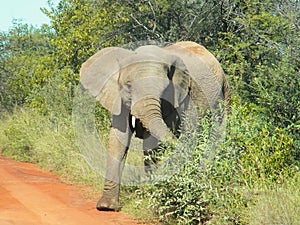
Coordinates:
29 196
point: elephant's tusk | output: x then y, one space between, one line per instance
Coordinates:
133 119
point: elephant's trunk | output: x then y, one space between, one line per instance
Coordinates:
148 111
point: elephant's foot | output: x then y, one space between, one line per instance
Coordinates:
108 205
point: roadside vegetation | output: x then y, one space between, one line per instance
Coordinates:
253 177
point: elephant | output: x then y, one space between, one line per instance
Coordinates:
147 90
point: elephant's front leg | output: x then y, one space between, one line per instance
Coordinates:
119 141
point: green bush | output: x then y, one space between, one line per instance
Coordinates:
186 196
264 151
216 184
278 91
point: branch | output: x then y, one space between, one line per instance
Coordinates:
146 28
151 7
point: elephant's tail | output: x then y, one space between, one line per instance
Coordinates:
226 106
226 95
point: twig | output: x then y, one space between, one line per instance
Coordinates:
142 25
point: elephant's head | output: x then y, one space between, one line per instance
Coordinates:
141 80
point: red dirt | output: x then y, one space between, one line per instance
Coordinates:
30 196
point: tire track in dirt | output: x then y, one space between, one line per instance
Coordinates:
30 196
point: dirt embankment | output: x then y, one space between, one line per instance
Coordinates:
30 196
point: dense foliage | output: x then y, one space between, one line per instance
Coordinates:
257 43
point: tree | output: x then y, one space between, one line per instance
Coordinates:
25 63
82 27
261 55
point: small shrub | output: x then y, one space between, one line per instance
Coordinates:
15 139
184 197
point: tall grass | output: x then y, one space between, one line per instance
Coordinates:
28 136
279 204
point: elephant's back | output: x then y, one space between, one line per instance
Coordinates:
205 56
208 79
209 59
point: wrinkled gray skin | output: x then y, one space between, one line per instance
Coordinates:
153 85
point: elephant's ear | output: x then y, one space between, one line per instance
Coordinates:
100 74
181 80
